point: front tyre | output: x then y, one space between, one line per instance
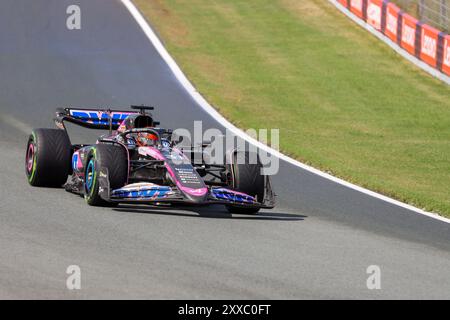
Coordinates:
48 158
112 157
246 178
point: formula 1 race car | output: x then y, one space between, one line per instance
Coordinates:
140 163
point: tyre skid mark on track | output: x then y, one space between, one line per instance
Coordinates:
15 123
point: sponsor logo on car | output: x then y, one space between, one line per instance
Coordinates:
99 117
150 193
229 195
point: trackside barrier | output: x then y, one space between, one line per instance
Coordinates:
374 13
392 25
409 33
344 3
429 45
446 55
357 7
420 40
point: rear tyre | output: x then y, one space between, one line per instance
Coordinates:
246 178
48 158
112 157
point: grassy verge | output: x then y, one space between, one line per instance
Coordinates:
344 101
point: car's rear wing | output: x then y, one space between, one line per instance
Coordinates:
93 118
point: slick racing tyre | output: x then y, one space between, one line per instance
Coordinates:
246 178
48 158
112 157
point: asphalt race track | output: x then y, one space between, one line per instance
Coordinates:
317 243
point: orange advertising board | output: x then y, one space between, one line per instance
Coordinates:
374 11
392 14
409 27
446 58
429 44
356 6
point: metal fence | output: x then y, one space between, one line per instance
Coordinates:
433 12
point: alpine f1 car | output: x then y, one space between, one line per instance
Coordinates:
138 162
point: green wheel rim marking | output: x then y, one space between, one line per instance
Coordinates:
89 194
89 179
33 170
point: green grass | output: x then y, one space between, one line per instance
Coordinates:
344 101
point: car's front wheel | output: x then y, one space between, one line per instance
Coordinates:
245 177
112 157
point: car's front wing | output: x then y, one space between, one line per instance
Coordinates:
148 193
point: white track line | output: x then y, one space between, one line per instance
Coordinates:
405 54
224 122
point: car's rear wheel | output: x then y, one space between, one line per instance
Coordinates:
246 178
112 157
47 161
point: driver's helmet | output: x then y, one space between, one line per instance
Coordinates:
145 139
137 121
